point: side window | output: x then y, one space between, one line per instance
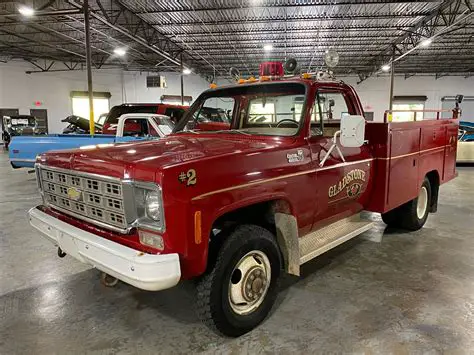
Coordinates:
330 107
138 128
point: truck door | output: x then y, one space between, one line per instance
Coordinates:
341 186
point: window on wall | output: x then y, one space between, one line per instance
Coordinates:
409 104
80 104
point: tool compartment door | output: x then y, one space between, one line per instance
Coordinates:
403 167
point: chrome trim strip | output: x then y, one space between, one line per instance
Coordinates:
23 160
257 182
79 173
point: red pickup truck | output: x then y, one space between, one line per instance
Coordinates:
233 207
175 112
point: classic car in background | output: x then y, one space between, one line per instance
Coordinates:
80 125
21 125
131 127
174 112
465 142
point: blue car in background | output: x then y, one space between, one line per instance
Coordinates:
131 127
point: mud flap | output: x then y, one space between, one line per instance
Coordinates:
287 238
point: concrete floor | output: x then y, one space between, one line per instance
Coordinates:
411 294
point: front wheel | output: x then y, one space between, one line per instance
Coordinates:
239 291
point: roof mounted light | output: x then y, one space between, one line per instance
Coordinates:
271 69
386 67
26 11
187 71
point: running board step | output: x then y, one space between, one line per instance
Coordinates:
326 238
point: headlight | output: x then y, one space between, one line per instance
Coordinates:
153 205
149 206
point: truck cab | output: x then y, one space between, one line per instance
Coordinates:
174 112
283 182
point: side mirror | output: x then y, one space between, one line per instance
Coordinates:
352 131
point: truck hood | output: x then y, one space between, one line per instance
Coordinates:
142 160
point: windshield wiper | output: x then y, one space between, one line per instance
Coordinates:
188 131
232 131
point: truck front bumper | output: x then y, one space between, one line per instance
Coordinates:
145 271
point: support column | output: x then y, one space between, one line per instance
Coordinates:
392 72
89 67
182 80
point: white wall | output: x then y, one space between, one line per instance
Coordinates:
374 92
21 90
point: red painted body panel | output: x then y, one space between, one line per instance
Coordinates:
234 171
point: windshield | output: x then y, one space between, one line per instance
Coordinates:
273 109
165 124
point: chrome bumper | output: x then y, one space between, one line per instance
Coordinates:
145 271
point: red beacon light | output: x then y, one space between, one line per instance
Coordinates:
271 69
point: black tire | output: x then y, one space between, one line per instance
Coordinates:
391 218
213 299
406 215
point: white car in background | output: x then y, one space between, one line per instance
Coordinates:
465 142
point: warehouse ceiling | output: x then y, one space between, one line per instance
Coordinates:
210 36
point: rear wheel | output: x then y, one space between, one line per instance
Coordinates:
413 214
239 291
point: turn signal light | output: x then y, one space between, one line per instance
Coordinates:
151 239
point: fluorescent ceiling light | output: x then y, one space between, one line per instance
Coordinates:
268 47
120 51
26 11
186 71
426 42
386 67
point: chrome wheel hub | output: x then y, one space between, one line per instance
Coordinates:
422 203
249 282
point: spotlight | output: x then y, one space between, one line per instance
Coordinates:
386 67
187 71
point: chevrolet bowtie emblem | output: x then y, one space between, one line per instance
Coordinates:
74 194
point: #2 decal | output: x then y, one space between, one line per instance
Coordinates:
188 177
351 183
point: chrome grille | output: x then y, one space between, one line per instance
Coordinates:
82 195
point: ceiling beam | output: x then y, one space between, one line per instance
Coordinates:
203 6
447 14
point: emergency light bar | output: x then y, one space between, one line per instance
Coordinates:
271 69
